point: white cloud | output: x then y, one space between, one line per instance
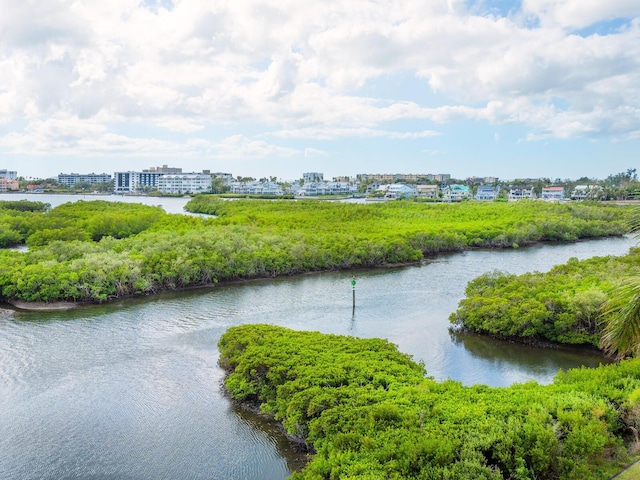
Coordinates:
314 152
579 13
328 133
76 74
240 147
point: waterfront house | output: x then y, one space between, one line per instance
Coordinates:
486 193
584 192
520 193
396 190
457 193
552 194
427 191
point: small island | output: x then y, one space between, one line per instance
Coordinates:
96 251
368 411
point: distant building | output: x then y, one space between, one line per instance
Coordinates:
520 193
427 191
256 188
552 194
441 177
313 177
164 169
483 180
342 179
8 174
70 179
457 193
586 192
130 182
8 185
486 192
180 183
227 177
324 188
396 190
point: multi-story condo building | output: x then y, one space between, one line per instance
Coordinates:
130 182
256 188
8 185
403 177
441 177
8 174
325 188
70 179
483 180
184 183
227 177
312 177
164 169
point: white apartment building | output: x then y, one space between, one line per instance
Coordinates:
130 182
312 177
70 179
324 188
184 183
256 188
8 174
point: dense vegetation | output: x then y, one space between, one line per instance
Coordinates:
368 412
96 250
421 228
563 305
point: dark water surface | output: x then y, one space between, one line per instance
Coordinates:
131 390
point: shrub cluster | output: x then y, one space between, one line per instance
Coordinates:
368 412
562 305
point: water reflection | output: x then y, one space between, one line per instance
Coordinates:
503 354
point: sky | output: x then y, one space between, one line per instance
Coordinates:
261 88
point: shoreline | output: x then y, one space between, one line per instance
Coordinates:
45 306
61 305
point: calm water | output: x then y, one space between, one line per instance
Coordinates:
131 390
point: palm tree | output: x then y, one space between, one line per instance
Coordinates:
621 333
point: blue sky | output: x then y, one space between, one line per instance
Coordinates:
531 88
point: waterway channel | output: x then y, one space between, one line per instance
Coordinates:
131 390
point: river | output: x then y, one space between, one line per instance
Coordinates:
131 390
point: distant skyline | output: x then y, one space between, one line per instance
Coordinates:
513 89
